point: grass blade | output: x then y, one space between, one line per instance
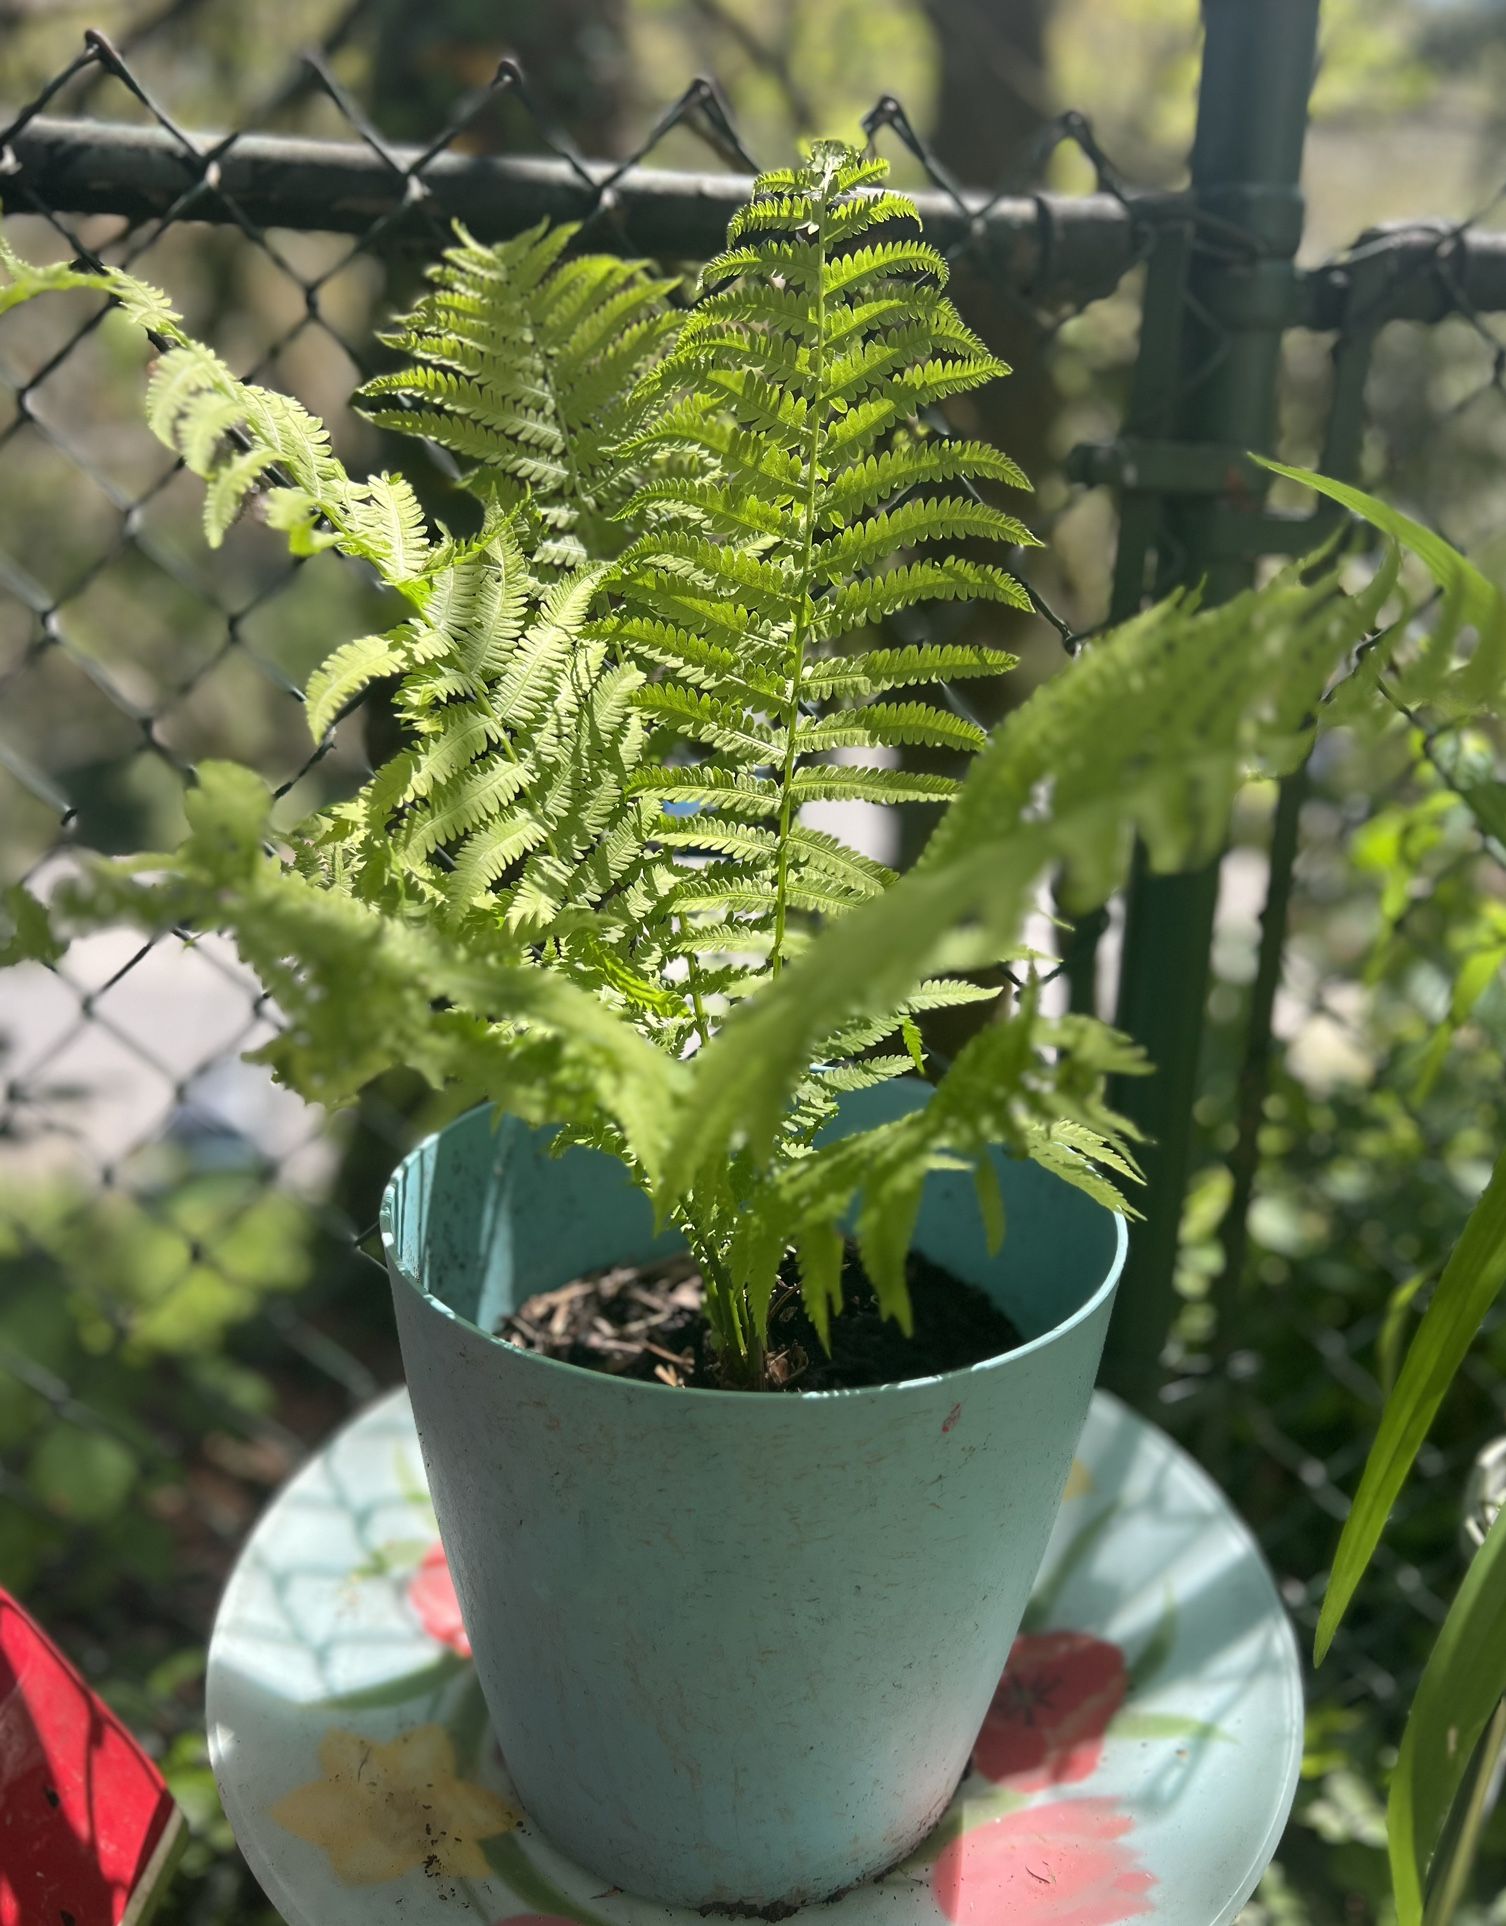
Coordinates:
1471 1282
1460 1690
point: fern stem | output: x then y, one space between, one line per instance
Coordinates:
549 843
725 1309
802 613
693 983
586 510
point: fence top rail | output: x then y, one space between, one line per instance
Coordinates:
1055 248
1408 271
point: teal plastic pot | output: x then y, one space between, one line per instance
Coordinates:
736 1647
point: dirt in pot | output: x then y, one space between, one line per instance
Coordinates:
646 1322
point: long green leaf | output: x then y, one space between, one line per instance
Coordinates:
1464 1681
1443 561
1471 1282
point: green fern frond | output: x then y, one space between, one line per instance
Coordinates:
1080 1157
141 303
739 571
746 841
235 433
839 782
746 675
701 718
814 347
461 808
865 603
1150 733
716 508
489 853
1002 1090
876 670
466 732
949 518
888 722
844 1077
860 269
730 892
345 674
783 309
723 449
819 855
523 363
881 478
733 790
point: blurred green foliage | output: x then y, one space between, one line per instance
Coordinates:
125 1415
1380 1129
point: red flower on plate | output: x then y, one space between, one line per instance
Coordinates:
1061 1863
1053 1706
431 1593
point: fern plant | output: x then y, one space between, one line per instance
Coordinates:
525 366
583 888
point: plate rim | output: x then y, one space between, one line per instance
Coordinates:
1291 1651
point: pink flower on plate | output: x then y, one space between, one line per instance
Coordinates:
1061 1863
431 1593
1048 1718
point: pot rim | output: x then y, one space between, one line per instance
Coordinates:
968 1373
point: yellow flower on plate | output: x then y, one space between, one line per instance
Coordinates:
382 1809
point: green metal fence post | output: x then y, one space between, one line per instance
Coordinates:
1246 161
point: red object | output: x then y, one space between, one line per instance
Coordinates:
431 1593
1064 1864
88 1829
1053 1706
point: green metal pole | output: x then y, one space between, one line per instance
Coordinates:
1258 62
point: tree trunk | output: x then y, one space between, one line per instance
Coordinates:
992 105
573 53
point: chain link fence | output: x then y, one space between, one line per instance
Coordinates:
188 1295
1350 1110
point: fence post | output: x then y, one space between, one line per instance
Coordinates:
1258 62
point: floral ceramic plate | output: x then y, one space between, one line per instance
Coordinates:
1139 1759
